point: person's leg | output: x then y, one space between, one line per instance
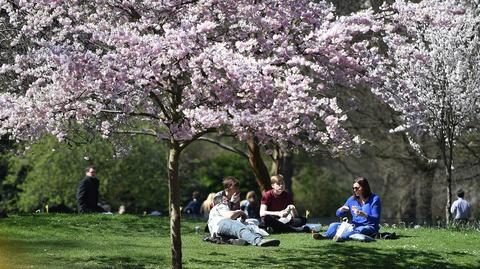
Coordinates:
366 230
332 229
298 221
237 229
298 225
276 225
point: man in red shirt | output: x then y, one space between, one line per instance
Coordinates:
277 211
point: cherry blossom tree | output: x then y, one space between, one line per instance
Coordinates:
178 69
431 73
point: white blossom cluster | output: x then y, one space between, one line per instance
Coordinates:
431 73
188 67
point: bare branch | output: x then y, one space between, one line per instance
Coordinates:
141 114
140 132
224 146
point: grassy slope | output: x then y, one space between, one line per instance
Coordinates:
106 241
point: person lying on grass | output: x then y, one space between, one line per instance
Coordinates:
223 222
365 208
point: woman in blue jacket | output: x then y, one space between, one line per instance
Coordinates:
365 208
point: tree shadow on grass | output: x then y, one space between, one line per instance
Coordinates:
124 262
41 252
337 255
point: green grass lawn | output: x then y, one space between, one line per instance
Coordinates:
126 241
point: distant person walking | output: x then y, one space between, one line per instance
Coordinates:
87 192
460 208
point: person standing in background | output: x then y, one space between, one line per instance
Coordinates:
87 192
460 208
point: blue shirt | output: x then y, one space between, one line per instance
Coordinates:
193 207
372 208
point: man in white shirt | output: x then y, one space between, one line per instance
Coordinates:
223 221
460 208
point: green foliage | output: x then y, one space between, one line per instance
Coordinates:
10 183
49 172
53 171
139 179
126 241
316 190
133 174
206 174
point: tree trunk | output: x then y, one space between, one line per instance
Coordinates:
257 164
449 197
283 164
174 200
447 161
449 164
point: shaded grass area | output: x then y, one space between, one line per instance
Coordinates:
126 241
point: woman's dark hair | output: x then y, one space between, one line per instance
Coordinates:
229 182
363 182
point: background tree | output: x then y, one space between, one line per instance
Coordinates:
431 74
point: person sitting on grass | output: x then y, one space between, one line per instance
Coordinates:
207 205
365 208
193 207
277 212
251 206
223 222
230 193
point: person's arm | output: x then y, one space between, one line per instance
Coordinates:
81 199
375 209
233 214
234 202
264 212
342 211
290 205
453 208
293 210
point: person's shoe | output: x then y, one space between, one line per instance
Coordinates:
269 243
318 236
237 242
390 236
301 229
338 239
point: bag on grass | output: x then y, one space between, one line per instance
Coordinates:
344 228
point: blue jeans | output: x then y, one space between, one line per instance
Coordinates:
239 230
366 230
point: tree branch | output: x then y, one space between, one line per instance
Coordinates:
142 114
224 146
140 132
